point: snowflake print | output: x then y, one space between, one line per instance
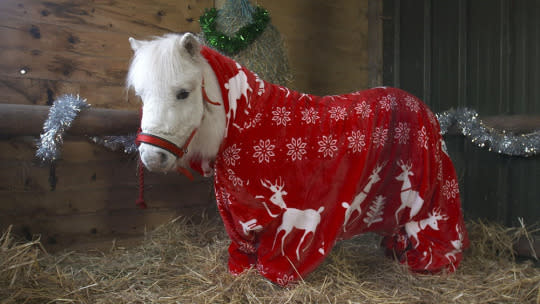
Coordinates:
283 281
281 116
412 104
328 146
388 102
423 138
357 141
230 155
264 151
247 248
380 135
338 113
225 198
432 118
297 149
235 179
363 109
402 133
450 189
310 116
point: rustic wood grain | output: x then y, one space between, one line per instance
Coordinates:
19 120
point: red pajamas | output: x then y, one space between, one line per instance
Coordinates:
296 173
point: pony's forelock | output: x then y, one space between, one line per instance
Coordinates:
157 61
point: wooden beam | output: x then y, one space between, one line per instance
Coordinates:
26 120
21 120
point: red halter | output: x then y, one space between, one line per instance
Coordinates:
162 143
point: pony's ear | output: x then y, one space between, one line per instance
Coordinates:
190 44
135 44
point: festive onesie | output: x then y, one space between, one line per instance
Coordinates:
296 173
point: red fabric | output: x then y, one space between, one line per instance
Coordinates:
297 172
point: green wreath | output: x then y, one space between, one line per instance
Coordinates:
241 39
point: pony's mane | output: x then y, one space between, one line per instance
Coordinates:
155 61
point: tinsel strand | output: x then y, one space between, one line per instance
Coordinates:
61 115
483 136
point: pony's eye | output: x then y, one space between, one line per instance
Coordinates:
182 94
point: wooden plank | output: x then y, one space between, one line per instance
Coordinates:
122 16
62 66
375 43
19 34
326 43
17 120
44 92
120 222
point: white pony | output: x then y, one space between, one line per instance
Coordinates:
167 74
205 111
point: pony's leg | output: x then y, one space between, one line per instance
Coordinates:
440 247
239 260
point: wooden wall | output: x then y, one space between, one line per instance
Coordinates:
80 47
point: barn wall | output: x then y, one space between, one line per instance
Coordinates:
81 47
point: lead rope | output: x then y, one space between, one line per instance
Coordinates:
140 200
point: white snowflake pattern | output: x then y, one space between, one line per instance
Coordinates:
328 146
285 279
225 198
380 135
231 155
402 133
297 149
281 116
432 118
338 113
310 115
264 151
363 109
237 181
388 102
423 138
357 141
450 189
247 248
412 104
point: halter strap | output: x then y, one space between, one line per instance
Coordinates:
160 142
206 98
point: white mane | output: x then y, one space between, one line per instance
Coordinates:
160 67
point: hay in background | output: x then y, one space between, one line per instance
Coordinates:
185 262
266 56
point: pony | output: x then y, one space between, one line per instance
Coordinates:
295 167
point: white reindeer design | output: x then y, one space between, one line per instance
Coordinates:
306 220
409 197
360 197
457 244
238 86
412 228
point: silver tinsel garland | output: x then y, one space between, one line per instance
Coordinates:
116 143
61 115
499 141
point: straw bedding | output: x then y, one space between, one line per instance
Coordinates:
185 262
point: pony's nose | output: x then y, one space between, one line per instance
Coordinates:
162 157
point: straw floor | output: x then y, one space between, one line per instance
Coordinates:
185 262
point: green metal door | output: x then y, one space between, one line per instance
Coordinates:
480 54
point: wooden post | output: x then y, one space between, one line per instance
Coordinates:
21 120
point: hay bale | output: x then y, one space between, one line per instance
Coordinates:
185 262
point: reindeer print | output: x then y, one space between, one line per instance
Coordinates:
293 218
409 197
237 86
414 227
360 197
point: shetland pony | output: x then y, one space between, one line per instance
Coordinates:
294 173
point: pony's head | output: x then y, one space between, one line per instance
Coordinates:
166 73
